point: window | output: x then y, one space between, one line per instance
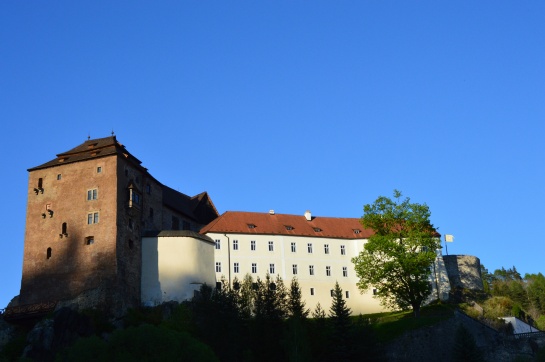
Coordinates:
294 268
254 268
218 267
135 197
309 246
331 292
64 229
311 291
375 291
59 176
175 223
148 189
326 248
235 244
271 246
40 183
345 271
347 293
293 248
235 267
288 227
328 271
317 230
90 240
218 244
92 194
48 253
92 218
356 231
343 250
252 245
311 269
99 169
251 226
271 268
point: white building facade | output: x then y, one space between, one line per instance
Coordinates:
318 251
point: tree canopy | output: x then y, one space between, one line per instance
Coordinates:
397 258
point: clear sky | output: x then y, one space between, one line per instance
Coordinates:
291 105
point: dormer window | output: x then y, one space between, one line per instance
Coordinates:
317 230
251 226
288 227
356 231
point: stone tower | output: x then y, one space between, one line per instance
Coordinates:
86 213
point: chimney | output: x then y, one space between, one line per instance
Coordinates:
271 212
308 215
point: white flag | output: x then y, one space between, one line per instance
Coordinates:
449 238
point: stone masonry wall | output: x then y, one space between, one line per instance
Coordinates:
464 271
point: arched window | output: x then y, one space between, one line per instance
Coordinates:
48 253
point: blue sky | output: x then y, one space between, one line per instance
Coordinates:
291 105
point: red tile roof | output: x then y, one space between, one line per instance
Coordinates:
276 224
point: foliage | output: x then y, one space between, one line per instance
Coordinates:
296 305
397 258
143 343
341 324
465 348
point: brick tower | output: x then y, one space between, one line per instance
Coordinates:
87 210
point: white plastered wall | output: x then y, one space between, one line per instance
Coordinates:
173 267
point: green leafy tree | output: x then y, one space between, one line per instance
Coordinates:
397 258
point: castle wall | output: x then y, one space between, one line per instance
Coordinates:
464 271
176 265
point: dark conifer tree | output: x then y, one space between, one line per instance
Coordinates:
296 305
341 326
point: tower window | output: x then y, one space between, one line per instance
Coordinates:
99 169
59 176
92 194
40 183
175 223
64 229
90 240
92 218
48 253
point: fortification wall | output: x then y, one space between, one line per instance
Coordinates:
464 271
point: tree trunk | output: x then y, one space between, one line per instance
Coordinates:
416 310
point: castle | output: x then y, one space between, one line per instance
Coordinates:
102 232
87 211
